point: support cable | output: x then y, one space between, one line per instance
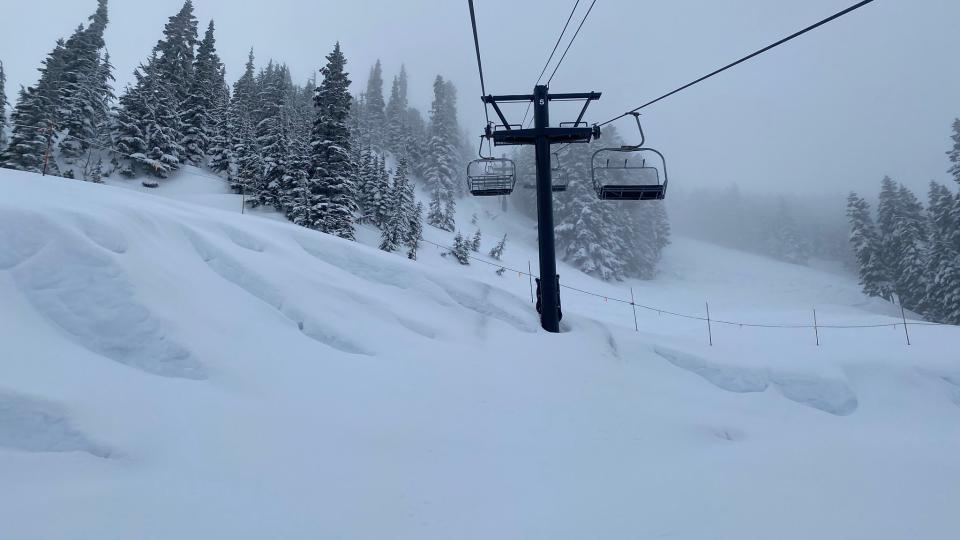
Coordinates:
552 53
574 38
745 58
476 45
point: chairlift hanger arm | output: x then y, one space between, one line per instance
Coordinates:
496 108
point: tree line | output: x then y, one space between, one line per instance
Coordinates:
313 151
908 253
326 159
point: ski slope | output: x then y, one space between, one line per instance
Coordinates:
174 369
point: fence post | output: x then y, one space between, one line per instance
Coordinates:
905 329
816 330
709 329
633 304
530 278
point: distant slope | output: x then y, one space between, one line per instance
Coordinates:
171 370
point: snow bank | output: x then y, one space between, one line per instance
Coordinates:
169 370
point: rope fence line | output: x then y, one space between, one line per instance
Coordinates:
660 311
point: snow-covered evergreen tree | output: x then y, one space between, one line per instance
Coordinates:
375 119
954 153
443 156
222 158
414 229
176 55
888 208
82 95
910 239
383 200
943 293
867 246
244 151
147 125
272 138
497 251
783 239
34 117
461 249
204 100
396 115
475 241
333 181
397 223
3 108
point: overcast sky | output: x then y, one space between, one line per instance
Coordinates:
873 93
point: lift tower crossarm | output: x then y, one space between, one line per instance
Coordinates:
541 136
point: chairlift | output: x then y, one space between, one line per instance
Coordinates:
557 174
490 176
623 173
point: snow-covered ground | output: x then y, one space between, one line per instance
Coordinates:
174 369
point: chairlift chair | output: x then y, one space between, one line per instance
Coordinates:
623 174
490 176
557 175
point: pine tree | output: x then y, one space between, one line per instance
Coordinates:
201 104
415 142
375 123
783 238
176 54
443 155
888 209
397 219
222 158
244 151
497 251
83 90
3 109
910 238
147 124
397 114
366 174
435 213
943 293
272 139
954 153
661 227
866 243
150 124
333 181
34 117
461 249
383 194
414 230
475 241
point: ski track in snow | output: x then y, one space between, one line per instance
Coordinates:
32 425
830 396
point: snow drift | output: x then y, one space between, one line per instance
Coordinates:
169 370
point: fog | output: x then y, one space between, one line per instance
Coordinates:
872 93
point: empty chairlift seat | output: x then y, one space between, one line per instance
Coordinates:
491 177
627 174
558 176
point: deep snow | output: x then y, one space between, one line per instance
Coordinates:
174 369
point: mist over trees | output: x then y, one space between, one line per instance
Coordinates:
911 254
793 229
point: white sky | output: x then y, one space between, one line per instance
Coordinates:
873 93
